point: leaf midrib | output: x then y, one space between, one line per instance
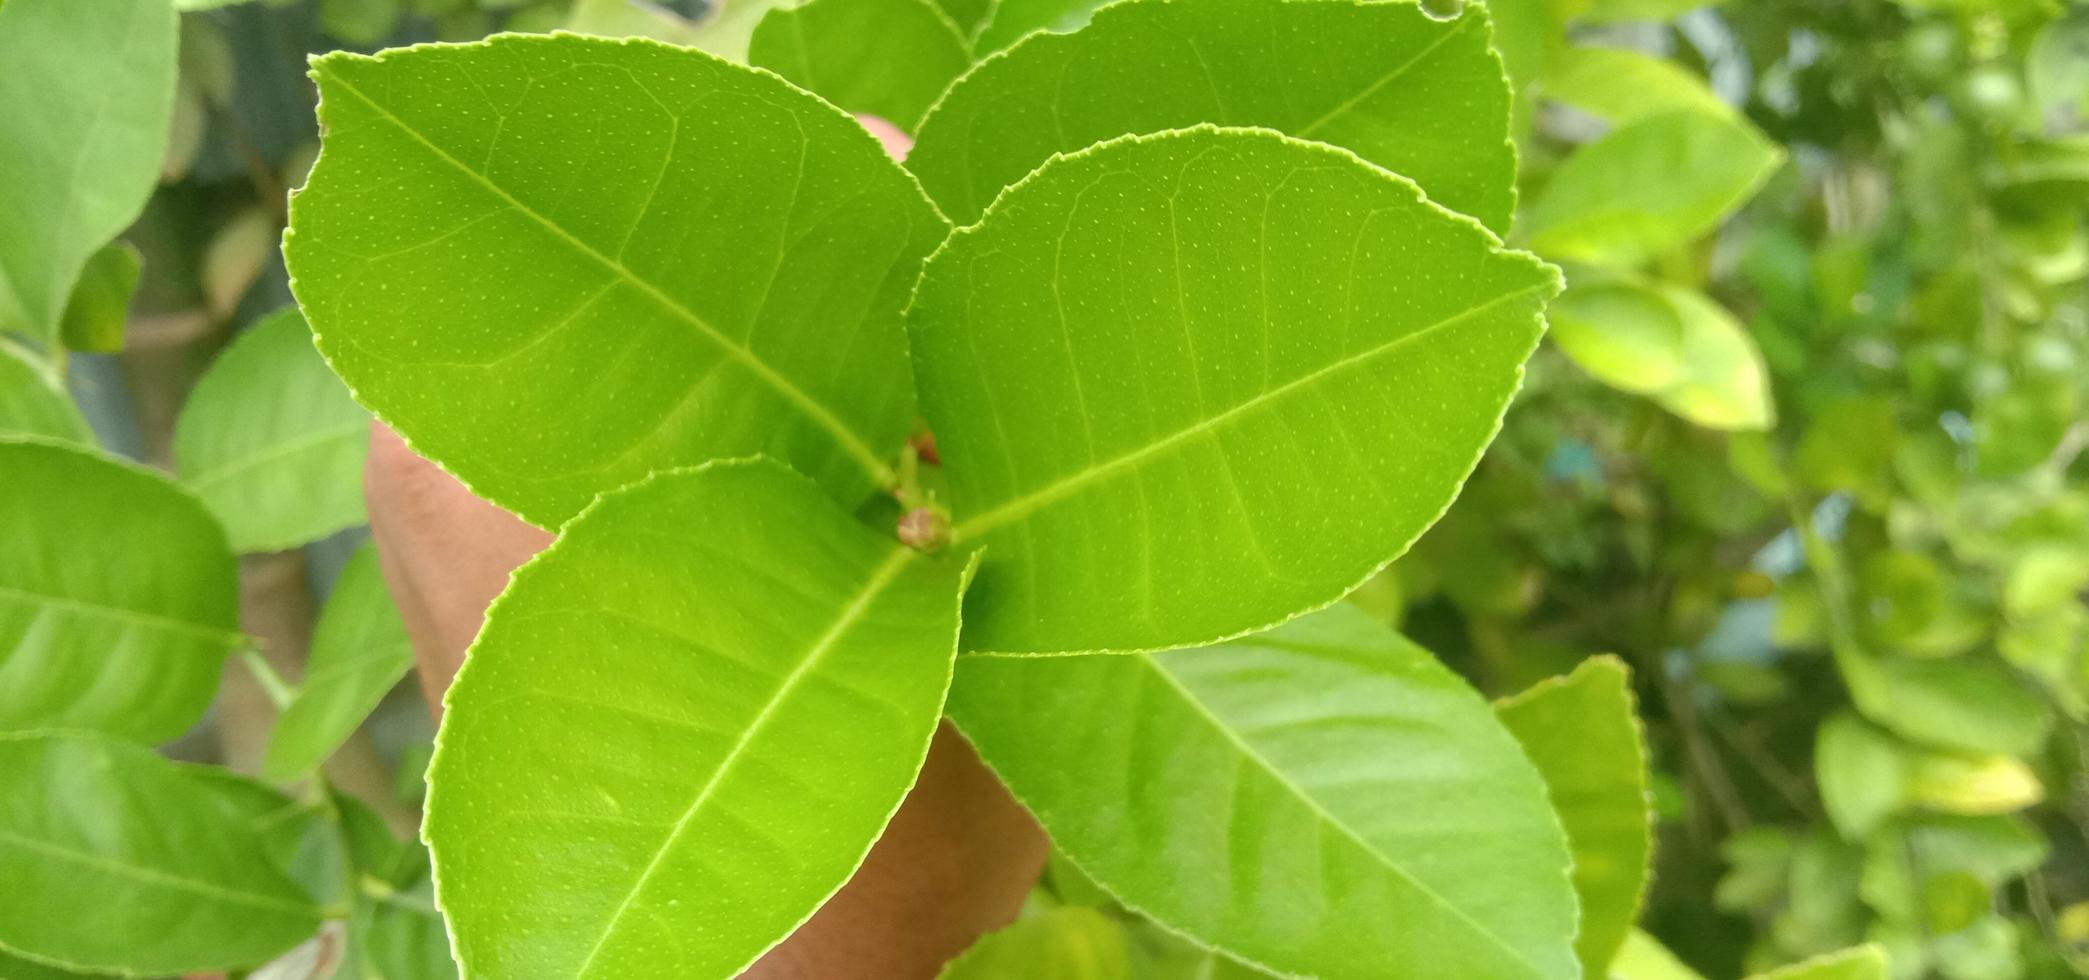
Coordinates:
155 876
1313 804
1019 507
133 617
843 436
873 586
275 451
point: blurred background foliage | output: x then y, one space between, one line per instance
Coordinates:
1805 447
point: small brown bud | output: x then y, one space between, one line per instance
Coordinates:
924 529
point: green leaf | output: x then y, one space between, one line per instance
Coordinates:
34 402
1961 703
84 109
730 281
1322 799
1583 734
1611 11
1971 785
724 30
1621 85
99 309
888 58
1859 770
115 860
1867 962
271 441
720 687
1672 344
1188 385
1417 96
1642 957
359 650
1068 943
1649 186
1012 20
118 601
16 968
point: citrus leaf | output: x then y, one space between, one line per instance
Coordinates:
34 402
1420 97
1859 771
359 650
85 102
1642 957
1013 20
161 879
1961 703
723 30
99 310
720 687
1648 186
602 258
1068 943
1866 962
1189 385
1611 11
888 58
1621 85
1324 799
1583 733
118 601
271 442
1672 344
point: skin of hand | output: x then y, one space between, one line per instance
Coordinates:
955 862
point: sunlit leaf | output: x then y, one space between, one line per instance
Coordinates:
1867 962
359 650
158 880
730 280
1642 957
888 58
724 29
271 441
1069 943
118 598
34 402
1648 186
1607 11
1323 799
1672 344
1420 97
1188 385
94 83
1621 85
720 686
1583 734
1974 785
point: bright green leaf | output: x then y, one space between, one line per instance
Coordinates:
359 650
1420 97
1621 85
1609 11
96 315
888 58
115 860
1672 344
1188 385
1012 20
1068 943
118 598
1322 799
729 281
720 686
34 402
1867 962
1583 734
1647 187
1859 771
84 106
1642 957
271 441
1971 785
